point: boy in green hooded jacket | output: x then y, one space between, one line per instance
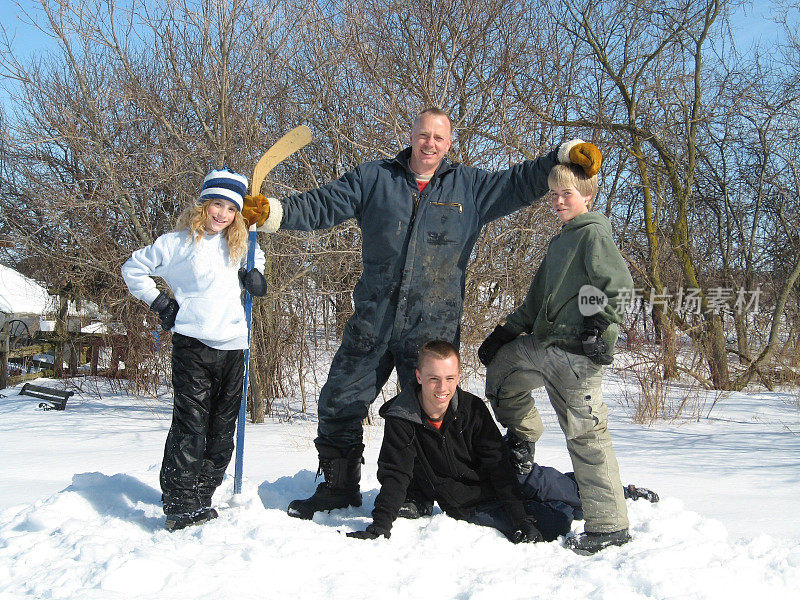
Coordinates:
569 318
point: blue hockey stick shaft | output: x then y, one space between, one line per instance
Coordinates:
248 314
289 143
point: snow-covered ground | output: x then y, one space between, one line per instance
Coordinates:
80 514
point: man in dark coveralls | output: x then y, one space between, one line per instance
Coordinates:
420 216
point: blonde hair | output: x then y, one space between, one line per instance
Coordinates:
194 218
572 175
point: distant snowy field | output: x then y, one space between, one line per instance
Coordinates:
80 514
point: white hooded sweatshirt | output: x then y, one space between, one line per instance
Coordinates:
205 283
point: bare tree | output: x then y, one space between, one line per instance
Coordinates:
114 130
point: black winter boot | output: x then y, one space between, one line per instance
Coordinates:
415 508
204 498
589 543
182 520
520 452
342 470
634 493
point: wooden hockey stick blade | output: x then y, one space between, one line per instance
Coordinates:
290 143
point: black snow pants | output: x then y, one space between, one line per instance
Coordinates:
551 497
207 387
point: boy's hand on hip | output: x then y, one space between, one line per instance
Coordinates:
594 346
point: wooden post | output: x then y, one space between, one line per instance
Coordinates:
115 358
60 337
58 359
74 355
94 352
3 361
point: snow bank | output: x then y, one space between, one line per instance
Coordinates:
103 537
80 514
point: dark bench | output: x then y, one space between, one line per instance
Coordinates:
55 399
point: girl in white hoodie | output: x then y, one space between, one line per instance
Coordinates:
203 262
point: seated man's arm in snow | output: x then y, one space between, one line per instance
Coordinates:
395 468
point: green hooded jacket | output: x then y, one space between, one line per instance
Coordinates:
582 254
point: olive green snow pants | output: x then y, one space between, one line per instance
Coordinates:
573 384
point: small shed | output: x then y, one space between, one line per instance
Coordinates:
27 318
23 303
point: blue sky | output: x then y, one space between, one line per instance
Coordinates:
26 37
751 25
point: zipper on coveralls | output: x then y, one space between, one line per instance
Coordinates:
453 204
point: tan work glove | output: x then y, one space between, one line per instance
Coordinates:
255 210
587 156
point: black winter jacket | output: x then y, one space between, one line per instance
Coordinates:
463 465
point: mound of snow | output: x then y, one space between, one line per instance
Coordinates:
103 537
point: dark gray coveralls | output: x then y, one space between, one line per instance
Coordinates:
415 249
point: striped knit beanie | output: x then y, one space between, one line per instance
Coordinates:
226 185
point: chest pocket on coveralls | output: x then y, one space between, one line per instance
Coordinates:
444 224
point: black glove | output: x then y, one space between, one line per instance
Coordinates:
253 281
490 346
372 532
594 346
167 309
527 532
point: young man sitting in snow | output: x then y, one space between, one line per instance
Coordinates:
441 444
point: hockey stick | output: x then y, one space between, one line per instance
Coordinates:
291 142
